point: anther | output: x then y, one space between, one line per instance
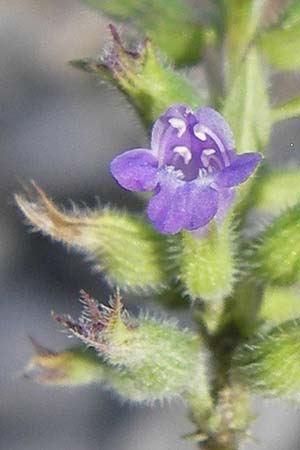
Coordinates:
202 172
184 152
178 124
199 133
209 151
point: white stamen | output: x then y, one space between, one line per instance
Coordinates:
188 111
219 143
184 152
179 124
206 155
199 132
172 171
202 172
209 151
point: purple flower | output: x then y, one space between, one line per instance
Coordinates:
192 168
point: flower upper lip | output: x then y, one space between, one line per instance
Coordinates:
191 167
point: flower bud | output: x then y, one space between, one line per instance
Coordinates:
269 364
124 247
72 367
149 85
276 257
162 360
206 265
172 26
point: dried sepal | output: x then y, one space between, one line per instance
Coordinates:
97 321
44 216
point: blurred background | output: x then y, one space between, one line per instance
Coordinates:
61 128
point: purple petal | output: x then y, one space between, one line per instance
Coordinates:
226 200
166 209
218 125
201 205
239 170
182 205
135 170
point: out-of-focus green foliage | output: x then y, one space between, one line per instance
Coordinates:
286 110
251 124
242 20
276 190
281 42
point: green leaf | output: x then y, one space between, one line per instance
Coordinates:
275 257
281 42
174 27
251 124
206 264
149 84
290 16
281 47
276 190
280 304
242 19
270 364
124 246
286 110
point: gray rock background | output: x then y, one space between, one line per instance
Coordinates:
61 128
